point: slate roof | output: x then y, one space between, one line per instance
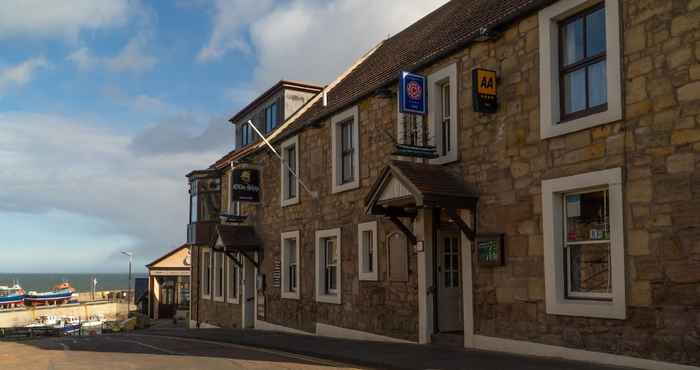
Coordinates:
439 34
433 179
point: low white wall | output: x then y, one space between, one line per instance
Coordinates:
21 317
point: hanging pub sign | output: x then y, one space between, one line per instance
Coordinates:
245 185
412 94
484 95
490 250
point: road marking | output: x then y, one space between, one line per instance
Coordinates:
167 351
262 350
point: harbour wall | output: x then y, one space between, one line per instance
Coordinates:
24 316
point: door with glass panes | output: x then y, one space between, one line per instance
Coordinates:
449 292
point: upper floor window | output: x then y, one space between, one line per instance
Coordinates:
580 65
290 182
271 117
246 134
345 152
205 199
443 113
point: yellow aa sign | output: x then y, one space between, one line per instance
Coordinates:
486 82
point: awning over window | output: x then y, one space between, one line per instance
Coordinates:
409 184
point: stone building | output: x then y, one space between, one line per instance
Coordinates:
565 223
169 285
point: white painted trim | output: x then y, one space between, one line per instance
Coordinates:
467 284
229 264
549 67
423 226
325 330
204 325
361 260
219 298
201 274
552 225
285 294
266 326
327 298
294 141
338 118
544 350
434 81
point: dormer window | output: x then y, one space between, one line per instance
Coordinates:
246 134
271 117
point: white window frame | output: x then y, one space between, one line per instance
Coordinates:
556 300
353 113
550 113
321 296
217 297
286 293
284 172
231 265
362 258
435 82
204 263
234 207
400 128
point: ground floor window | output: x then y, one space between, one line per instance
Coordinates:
328 266
290 264
367 250
206 273
232 280
583 228
218 276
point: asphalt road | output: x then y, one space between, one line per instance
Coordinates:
135 352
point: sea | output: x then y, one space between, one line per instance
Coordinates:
81 282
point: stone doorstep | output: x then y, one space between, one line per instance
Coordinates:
381 355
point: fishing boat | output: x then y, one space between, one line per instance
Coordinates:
61 293
11 297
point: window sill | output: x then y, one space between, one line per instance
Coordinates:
207 297
596 119
345 187
218 299
587 308
290 295
290 202
326 298
368 276
450 158
233 301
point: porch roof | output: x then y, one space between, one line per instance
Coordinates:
237 238
420 185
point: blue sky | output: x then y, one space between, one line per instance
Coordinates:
105 105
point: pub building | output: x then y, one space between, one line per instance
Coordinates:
516 176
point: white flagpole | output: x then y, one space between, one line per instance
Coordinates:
312 193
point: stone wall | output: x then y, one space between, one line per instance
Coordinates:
657 145
220 314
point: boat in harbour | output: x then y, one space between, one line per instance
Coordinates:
60 294
11 297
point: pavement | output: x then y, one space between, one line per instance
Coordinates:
136 352
377 355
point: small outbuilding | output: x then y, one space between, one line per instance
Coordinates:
169 285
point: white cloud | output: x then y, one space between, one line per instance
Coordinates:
309 40
140 103
61 19
20 74
135 185
133 58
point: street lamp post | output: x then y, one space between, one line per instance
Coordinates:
131 261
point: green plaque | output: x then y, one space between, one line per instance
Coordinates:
490 249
